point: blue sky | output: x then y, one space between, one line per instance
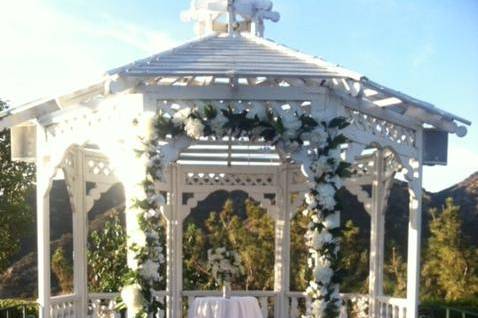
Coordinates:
427 48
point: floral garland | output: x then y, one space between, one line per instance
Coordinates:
360 306
224 265
313 142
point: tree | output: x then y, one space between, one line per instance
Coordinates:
354 258
299 271
107 257
395 274
16 184
256 247
450 270
63 270
251 236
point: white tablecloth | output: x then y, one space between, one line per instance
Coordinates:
218 307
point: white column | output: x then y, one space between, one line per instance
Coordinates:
80 233
377 236
414 234
173 259
43 226
178 241
282 244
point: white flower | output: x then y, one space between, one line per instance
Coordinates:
321 166
310 200
317 137
291 124
194 128
318 307
138 237
318 239
152 213
326 196
149 270
323 274
332 221
132 298
181 115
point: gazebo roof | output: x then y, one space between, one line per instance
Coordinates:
248 58
240 55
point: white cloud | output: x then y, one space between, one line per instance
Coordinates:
45 51
462 163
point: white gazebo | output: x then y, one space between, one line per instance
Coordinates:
91 134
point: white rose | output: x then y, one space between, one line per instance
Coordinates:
332 221
323 274
310 200
291 124
181 115
326 194
149 270
194 128
317 137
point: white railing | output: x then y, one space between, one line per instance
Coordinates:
266 299
299 302
390 307
63 306
103 305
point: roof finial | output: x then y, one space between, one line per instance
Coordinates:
231 10
230 15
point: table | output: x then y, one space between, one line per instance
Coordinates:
218 307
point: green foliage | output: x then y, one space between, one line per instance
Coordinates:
299 271
251 237
395 275
450 269
354 260
31 307
63 270
16 183
107 257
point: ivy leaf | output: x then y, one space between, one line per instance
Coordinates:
338 122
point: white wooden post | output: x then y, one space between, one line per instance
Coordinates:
377 235
414 233
80 233
173 305
282 244
178 243
43 225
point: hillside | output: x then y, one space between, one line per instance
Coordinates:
20 279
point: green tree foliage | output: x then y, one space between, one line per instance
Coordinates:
63 270
299 271
354 260
16 183
450 269
252 237
395 274
107 257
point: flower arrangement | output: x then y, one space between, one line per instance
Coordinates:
313 142
359 307
224 265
